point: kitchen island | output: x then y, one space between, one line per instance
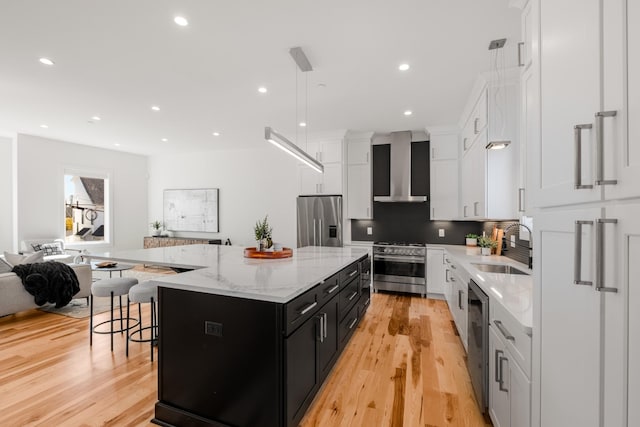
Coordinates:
248 342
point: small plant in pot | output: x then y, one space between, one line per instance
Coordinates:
471 239
157 227
262 232
486 245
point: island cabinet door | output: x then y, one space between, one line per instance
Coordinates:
302 368
328 337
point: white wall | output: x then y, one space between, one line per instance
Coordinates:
252 183
40 169
6 195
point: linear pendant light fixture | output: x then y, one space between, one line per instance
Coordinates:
292 149
279 140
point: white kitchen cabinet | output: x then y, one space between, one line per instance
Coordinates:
359 175
579 323
585 94
329 182
474 180
359 192
444 191
509 387
529 134
326 151
525 46
435 272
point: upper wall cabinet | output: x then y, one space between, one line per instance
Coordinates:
328 151
359 196
589 150
489 177
444 174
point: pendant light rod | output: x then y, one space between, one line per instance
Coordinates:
292 149
301 59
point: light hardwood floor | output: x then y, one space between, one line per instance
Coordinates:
404 366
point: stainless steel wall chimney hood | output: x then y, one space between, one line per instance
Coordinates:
400 174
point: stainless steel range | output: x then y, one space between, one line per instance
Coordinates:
400 267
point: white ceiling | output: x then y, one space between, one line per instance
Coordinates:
116 58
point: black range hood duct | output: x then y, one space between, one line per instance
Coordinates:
400 174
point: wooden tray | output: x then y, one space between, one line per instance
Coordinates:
253 253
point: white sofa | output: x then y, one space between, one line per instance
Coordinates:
67 257
14 298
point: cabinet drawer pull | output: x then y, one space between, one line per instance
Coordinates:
600 255
308 308
352 296
475 208
446 275
324 318
577 138
353 273
501 382
520 199
333 289
475 125
496 363
353 322
322 334
577 261
520 63
600 148
460 299
504 331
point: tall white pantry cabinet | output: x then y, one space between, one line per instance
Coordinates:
585 185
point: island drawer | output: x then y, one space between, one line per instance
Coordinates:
301 309
328 289
348 297
349 273
513 335
347 326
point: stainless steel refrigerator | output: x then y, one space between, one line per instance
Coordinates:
319 221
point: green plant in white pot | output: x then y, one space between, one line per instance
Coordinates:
157 227
486 245
262 232
471 239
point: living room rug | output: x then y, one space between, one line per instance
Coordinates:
79 309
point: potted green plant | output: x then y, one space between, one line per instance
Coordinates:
262 232
486 245
471 239
157 227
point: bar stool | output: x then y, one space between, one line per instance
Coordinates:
109 288
145 292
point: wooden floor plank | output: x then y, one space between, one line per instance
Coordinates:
404 366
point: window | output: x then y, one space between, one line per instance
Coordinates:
86 205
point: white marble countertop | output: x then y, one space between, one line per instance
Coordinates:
223 270
513 291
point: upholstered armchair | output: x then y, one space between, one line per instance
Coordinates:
54 249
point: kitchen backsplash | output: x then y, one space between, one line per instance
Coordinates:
409 222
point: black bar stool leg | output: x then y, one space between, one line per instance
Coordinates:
127 344
121 323
91 320
112 320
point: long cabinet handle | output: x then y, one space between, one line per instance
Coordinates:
496 365
475 126
322 335
446 275
314 231
475 208
353 322
352 296
520 63
501 382
464 144
308 308
520 199
324 318
333 289
577 138
600 148
577 262
460 299
504 331
600 254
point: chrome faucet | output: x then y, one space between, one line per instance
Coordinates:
519 224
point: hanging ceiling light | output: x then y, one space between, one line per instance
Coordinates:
496 55
279 140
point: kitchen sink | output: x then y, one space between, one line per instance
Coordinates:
498 268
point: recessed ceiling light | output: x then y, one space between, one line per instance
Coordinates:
303 124
262 89
408 113
155 108
216 134
181 20
403 67
116 144
164 140
44 126
96 118
322 85
46 61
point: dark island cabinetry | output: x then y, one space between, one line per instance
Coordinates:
227 361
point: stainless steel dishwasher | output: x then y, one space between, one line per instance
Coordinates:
478 342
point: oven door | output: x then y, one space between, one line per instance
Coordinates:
399 269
